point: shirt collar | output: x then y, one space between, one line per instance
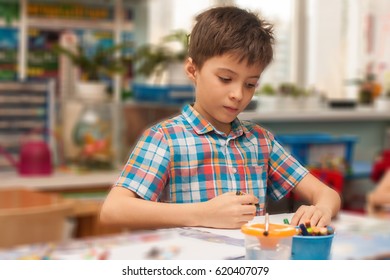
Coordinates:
202 126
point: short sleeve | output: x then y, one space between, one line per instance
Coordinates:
146 171
285 171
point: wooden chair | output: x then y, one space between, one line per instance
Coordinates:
28 217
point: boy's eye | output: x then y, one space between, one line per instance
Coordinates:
224 79
249 85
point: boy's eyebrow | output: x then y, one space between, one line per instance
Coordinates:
231 71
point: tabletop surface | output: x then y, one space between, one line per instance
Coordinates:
59 180
357 237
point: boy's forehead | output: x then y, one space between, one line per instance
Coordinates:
234 58
234 65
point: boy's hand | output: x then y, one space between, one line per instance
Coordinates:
229 210
316 215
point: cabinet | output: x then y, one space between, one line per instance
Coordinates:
25 108
26 48
27 42
137 116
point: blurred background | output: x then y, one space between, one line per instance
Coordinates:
80 80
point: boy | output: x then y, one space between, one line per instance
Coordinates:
185 171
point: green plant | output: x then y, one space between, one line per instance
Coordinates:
9 11
104 62
153 59
267 89
290 89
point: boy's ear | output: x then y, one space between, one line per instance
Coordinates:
190 69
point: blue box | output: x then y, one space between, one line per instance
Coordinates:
311 149
171 94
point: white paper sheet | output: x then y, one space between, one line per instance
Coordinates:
178 248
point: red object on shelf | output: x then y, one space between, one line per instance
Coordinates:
332 178
380 166
35 157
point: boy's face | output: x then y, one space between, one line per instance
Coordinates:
224 87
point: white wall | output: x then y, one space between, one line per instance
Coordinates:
325 63
338 44
354 46
159 19
168 15
380 55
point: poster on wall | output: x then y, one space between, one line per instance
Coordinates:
9 43
42 62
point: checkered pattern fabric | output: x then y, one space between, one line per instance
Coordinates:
185 159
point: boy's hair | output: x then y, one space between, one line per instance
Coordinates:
231 30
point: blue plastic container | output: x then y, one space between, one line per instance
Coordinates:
168 94
302 145
311 247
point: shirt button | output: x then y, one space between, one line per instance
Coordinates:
234 170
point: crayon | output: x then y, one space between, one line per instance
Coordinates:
330 230
104 255
323 231
303 230
286 222
316 231
308 227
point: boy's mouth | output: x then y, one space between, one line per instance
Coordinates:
231 109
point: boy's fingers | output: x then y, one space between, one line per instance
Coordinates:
249 209
229 193
248 199
296 218
243 198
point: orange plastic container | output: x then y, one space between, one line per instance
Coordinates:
276 245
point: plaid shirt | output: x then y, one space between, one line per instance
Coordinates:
185 159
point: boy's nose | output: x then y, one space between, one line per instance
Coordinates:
236 93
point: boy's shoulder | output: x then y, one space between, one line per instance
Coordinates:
174 121
256 129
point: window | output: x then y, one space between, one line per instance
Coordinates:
320 44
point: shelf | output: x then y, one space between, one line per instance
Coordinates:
14 24
24 108
60 180
76 24
358 114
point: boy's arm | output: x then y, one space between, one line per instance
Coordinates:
324 202
124 207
